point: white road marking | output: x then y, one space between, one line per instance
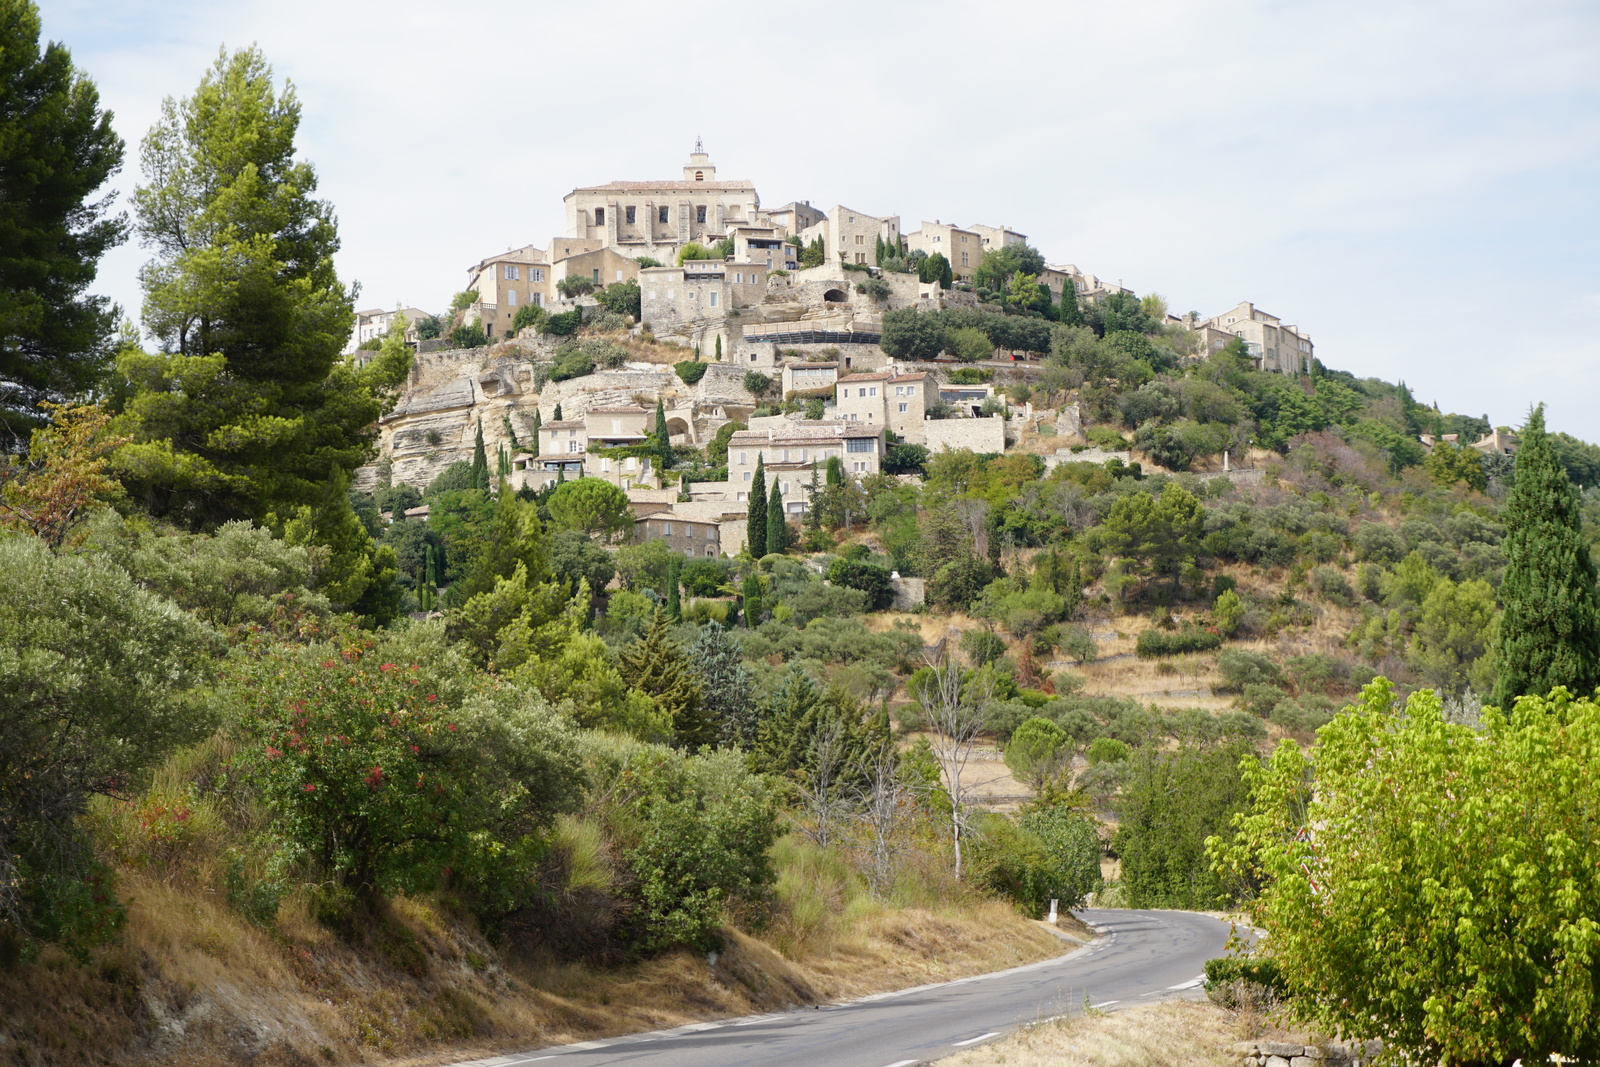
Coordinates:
975 1040
902 1063
1190 984
1105 1004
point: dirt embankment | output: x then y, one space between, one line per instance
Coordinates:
190 983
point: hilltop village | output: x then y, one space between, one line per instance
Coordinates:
782 336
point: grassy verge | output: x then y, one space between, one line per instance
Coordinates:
1192 1033
192 982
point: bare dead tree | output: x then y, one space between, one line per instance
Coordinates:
824 797
880 809
953 704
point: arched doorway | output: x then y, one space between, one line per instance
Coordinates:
834 296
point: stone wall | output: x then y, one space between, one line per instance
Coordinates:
1089 455
909 593
979 435
1290 1054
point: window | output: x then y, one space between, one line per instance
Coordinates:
911 390
744 459
596 277
599 216
784 489
899 390
738 279
859 467
860 238
713 299
861 444
619 275
964 259
700 176
785 454
536 274
511 298
710 551
574 446
666 528
742 496
963 238
861 257
669 293
903 408
937 239
628 215
873 391
511 273
605 465
699 211
747 476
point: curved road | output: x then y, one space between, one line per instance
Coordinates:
1139 956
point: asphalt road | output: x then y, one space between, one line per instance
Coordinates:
1140 956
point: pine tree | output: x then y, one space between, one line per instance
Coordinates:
57 149
756 516
657 666
663 440
1550 632
777 528
674 601
480 461
516 536
726 684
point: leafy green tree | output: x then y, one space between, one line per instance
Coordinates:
100 678
867 577
756 513
750 601
1035 752
527 315
1171 803
912 334
623 298
57 148
814 254
592 505
658 667
1160 532
1432 881
358 574
1550 632
1455 629
381 770
514 537
777 525
575 558
248 405
968 345
1449 464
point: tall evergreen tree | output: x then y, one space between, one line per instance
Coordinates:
516 536
777 528
557 412
756 516
726 685
1069 313
674 597
248 403
537 425
1550 632
57 149
480 461
719 348
663 440
751 601
658 667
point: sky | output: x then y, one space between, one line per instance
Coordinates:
1416 185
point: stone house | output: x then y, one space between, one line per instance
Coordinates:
693 300
809 378
792 448
656 218
795 217
601 266
1273 344
373 323
506 282
851 236
567 448
998 237
692 537
897 402
963 248
764 244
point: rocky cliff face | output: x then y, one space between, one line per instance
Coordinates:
450 392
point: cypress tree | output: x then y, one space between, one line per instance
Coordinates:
756 515
557 412
813 505
752 601
777 529
663 440
1550 632
537 424
719 348
480 461
1069 313
674 603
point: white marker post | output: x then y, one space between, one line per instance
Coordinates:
1052 911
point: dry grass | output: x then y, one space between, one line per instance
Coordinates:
191 983
1190 1033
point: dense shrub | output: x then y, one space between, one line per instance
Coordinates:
1171 802
870 578
690 370
1154 642
1240 668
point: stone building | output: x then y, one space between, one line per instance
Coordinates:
851 236
792 448
795 216
506 282
963 248
600 266
1272 343
998 237
693 301
373 323
809 379
692 537
894 401
656 218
